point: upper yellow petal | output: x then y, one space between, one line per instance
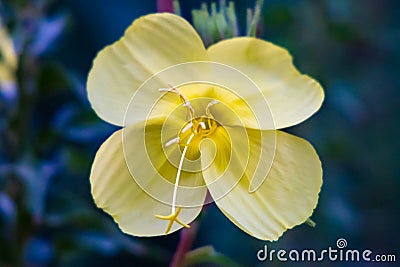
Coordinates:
292 97
286 198
151 44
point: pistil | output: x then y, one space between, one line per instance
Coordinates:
202 126
175 212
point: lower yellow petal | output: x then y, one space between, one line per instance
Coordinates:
286 198
117 192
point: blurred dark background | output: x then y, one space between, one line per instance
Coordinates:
49 133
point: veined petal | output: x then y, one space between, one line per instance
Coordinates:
117 192
232 109
225 152
286 198
150 160
151 44
292 97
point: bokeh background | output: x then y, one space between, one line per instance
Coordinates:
49 133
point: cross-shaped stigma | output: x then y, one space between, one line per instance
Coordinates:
173 217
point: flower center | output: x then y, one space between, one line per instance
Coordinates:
203 126
199 127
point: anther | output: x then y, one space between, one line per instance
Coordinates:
212 103
173 141
189 106
187 127
203 125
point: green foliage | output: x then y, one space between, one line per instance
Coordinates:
215 24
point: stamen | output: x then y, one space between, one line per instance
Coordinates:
203 125
212 103
209 123
165 90
187 127
215 101
184 100
173 141
190 108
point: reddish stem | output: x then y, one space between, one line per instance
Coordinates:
165 6
186 240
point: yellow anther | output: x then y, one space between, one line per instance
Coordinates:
173 217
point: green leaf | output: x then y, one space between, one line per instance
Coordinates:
207 254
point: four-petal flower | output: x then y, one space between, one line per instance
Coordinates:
181 139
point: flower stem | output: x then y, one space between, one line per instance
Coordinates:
165 6
187 237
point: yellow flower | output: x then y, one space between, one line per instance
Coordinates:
197 120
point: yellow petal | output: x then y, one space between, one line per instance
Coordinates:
292 97
232 109
225 146
150 160
202 79
286 198
151 44
236 151
116 191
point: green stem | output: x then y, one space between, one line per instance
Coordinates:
165 6
187 237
